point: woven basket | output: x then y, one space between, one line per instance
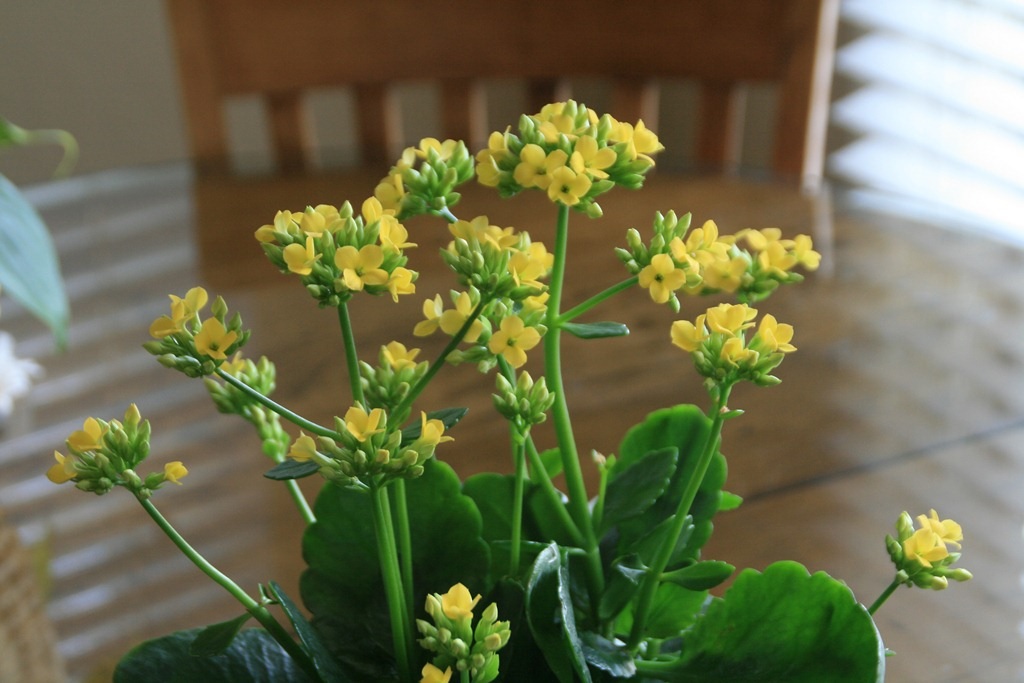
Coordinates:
28 645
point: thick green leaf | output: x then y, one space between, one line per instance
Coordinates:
673 610
29 271
700 576
636 487
687 428
607 656
342 587
784 625
216 638
291 469
552 618
323 660
449 417
624 579
253 657
596 330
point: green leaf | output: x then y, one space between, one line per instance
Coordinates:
322 658
493 494
673 610
596 330
291 469
607 656
635 488
783 625
700 575
449 417
29 270
552 618
342 587
687 428
215 638
252 657
624 580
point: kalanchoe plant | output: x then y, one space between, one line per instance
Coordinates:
577 588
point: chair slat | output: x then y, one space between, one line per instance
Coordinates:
289 130
376 118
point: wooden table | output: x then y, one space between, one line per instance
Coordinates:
904 394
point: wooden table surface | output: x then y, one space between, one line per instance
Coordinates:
904 395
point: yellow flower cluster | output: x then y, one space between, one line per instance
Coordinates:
718 342
455 642
196 346
337 254
366 450
424 178
922 555
570 153
102 455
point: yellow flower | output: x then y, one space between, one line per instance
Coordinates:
530 264
725 274
587 158
947 530
689 336
88 438
235 365
393 234
480 230
805 255
733 351
182 310
63 471
640 142
457 602
303 449
173 471
398 357
661 278
363 425
432 311
313 222
361 267
213 339
925 546
567 186
536 166
431 674
300 259
776 337
730 319
283 222
452 320
390 192
513 340
432 432
400 282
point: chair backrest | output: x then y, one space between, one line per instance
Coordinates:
282 49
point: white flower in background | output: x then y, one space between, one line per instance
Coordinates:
16 374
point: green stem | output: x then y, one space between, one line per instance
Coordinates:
553 494
890 589
446 214
300 501
294 418
652 578
519 462
403 540
258 611
436 366
351 355
593 301
401 633
577 490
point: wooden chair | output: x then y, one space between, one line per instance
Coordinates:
280 50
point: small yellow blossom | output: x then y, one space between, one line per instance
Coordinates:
431 674
513 340
432 311
457 602
390 192
174 471
689 336
640 142
661 278
363 425
213 339
725 274
805 254
527 266
63 471
926 547
775 336
300 259
567 186
730 319
480 230
734 352
947 530
393 234
452 320
432 431
587 158
398 357
313 222
400 282
88 438
235 365
361 267
182 310
284 221
303 449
